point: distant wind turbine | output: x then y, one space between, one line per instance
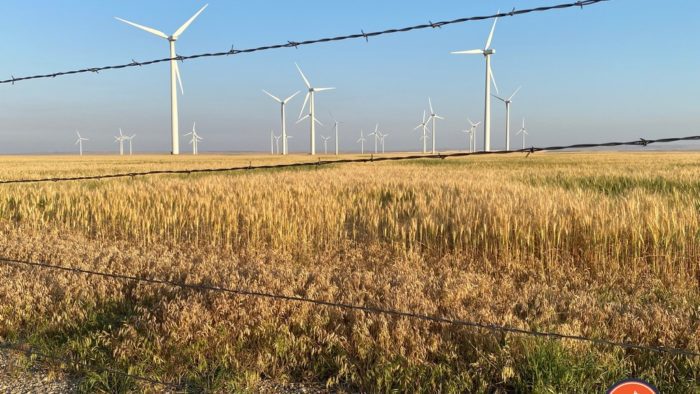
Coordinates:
277 142
174 73
283 104
325 144
130 138
79 142
508 101
424 137
377 136
524 132
310 98
195 139
336 133
472 128
487 52
362 141
468 132
433 117
120 139
272 142
381 139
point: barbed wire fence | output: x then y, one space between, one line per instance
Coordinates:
296 44
366 159
490 327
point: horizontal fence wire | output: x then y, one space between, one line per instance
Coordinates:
31 352
371 159
361 308
296 44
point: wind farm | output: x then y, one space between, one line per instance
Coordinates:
391 232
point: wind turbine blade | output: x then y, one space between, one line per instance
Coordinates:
120 132
189 21
493 79
306 100
423 116
306 81
323 89
77 142
469 52
301 119
514 93
430 103
493 28
439 117
318 121
179 79
418 127
470 121
148 29
500 98
291 97
273 97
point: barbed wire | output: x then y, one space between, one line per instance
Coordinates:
371 159
363 308
21 348
296 44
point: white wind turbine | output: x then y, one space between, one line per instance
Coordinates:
362 140
377 136
195 139
120 139
283 104
524 132
433 117
424 137
130 138
381 139
174 73
310 96
79 142
487 52
508 101
468 132
472 131
272 142
336 134
325 144
277 142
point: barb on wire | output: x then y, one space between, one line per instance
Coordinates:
370 159
361 308
295 44
33 352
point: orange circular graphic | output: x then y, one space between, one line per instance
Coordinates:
633 386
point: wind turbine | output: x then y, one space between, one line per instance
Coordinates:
325 144
472 128
130 138
195 139
79 142
310 95
272 142
487 52
433 117
508 101
381 138
174 73
424 137
524 132
283 104
468 132
362 141
277 142
377 136
120 139
336 134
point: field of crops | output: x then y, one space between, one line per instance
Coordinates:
604 245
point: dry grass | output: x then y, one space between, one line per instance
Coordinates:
602 245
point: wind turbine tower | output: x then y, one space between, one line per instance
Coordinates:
433 117
174 73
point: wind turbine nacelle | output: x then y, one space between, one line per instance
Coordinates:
489 52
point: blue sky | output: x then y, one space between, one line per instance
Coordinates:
619 70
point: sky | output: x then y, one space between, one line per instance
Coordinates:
619 70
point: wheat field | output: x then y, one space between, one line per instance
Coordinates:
604 245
